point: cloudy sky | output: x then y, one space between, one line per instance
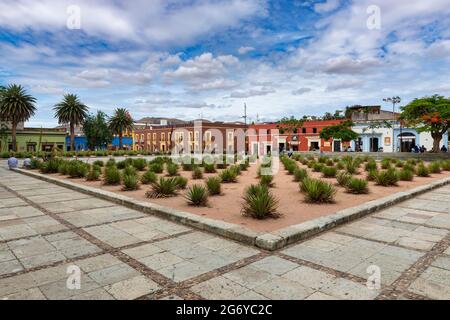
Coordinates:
186 58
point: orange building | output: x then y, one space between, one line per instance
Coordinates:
304 138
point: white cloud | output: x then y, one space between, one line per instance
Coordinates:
251 93
344 84
301 91
244 50
327 6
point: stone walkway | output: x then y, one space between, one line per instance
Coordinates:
124 254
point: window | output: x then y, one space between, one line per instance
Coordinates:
163 136
303 130
230 137
197 136
31 147
154 138
142 137
190 137
169 136
314 130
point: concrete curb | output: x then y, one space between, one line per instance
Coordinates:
268 241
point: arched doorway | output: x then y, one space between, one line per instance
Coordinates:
406 141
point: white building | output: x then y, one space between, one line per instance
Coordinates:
379 130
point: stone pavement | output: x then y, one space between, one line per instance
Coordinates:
125 254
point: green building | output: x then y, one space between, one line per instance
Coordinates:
33 139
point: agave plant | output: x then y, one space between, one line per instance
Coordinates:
342 178
163 188
329 172
213 184
260 203
172 169
406 175
197 195
111 176
181 182
266 180
130 182
148 177
300 174
387 177
317 191
228 175
422 171
197 173
357 186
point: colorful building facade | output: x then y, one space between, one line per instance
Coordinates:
196 136
302 138
34 140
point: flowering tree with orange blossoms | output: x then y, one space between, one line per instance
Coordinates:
429 114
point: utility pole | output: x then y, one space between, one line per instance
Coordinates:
394 100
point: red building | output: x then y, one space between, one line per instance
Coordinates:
304 138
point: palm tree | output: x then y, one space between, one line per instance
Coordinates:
71 110
16 106
121 122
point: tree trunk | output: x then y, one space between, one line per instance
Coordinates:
120 141
437 137
72 137
13 136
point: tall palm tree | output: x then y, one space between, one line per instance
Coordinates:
71 110
16 106
121 122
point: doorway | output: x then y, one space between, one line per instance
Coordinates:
406 141
337 146
374 144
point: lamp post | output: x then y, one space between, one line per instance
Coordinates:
394 100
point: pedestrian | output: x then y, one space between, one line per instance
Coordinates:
27 163
444 148
12 161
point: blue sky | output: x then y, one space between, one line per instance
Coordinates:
186 58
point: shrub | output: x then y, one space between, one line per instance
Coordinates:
304 161
129 171
318 167
317 191
434 167
357 186
111 162
93 174
386 163
148 177
157 167
77 169
214 186
197 173
412 162
51 166
371 175
371 165
163 188
266 180
197 195
340 165
130 182
228 176
259 203
405 175
112 176
422 171
35 163
322 159
311 163
300 174
187 166
172 169
330 163
63 168
399 164
352 167
445 165
140 164
181 182
124 163
409 167
342 178
244 166
329 172
387 177
210 168
99 163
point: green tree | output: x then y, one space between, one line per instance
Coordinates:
16 106
429 114
96 130
290 125
73 112
121 122
340 131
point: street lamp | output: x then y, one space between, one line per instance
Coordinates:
394 101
